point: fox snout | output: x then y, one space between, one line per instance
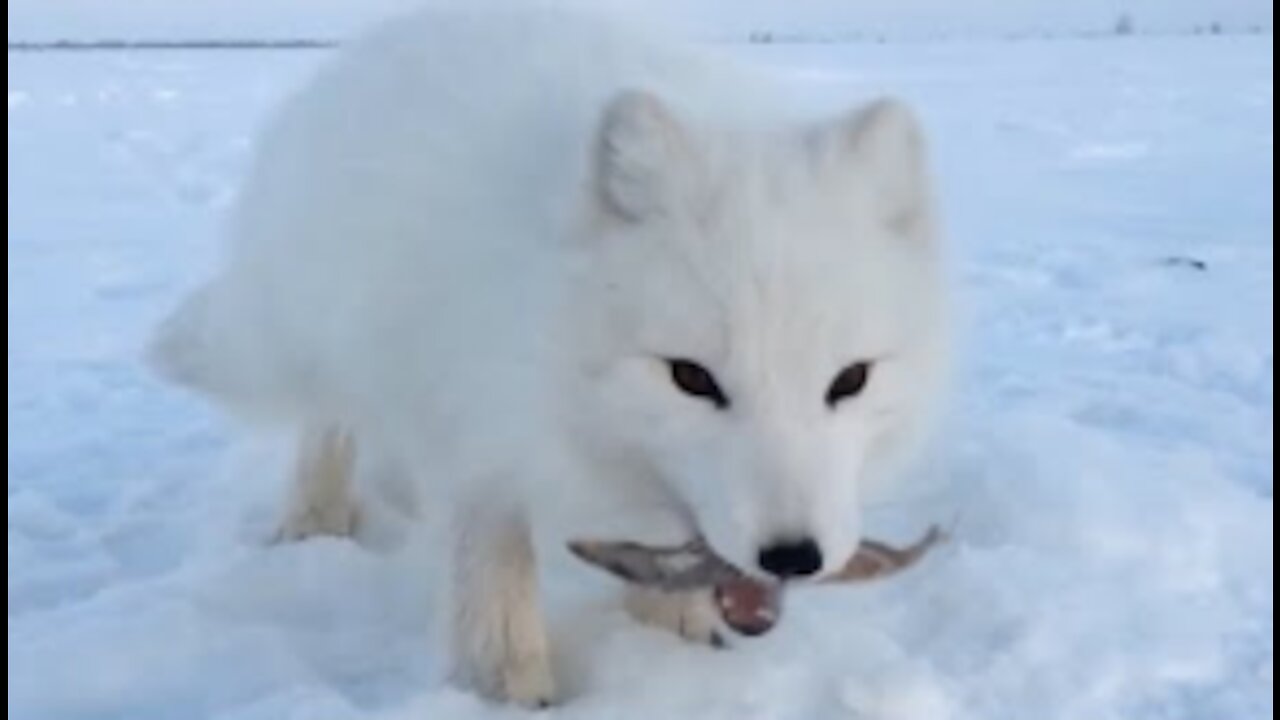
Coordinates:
791 558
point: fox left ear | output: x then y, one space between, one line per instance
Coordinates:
645 163
884 143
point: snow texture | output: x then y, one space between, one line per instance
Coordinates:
1108 461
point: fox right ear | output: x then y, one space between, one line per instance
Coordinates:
884 142
644 164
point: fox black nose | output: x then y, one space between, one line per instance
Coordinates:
791 559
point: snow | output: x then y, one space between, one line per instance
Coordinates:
1108 460
42 20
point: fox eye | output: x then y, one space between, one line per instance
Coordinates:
697 381
849 383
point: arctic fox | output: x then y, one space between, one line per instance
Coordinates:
523 249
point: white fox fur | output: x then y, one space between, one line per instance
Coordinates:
481 236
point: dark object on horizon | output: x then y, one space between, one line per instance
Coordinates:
1186 262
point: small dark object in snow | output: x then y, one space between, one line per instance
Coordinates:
1187 262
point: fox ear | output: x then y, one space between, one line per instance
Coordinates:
884 143
645 165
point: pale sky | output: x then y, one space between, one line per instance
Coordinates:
168 19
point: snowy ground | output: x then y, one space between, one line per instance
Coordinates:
1109 456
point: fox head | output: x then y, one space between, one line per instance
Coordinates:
760 320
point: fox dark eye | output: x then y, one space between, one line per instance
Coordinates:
849 383
695 380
